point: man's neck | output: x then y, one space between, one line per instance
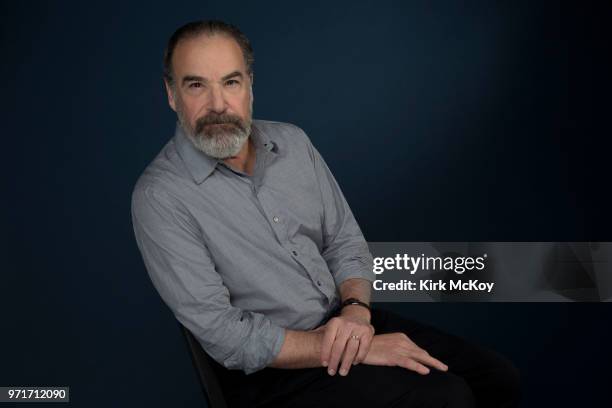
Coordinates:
244 161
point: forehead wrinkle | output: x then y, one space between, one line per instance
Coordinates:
191 78
209 53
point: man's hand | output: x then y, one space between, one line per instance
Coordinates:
396 349
339 343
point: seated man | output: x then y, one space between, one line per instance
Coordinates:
250 242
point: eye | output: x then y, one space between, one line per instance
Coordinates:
195 85
232 83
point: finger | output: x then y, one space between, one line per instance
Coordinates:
326 345
423 357
337 351
414 365
364 347
364 344
349 355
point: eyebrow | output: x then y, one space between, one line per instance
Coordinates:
192 78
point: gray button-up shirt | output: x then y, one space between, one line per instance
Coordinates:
238 258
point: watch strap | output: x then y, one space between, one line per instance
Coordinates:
353 301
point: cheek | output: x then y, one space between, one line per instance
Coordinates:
242 105
194 109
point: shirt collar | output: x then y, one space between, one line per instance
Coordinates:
201 165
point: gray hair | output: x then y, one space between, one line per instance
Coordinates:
209 28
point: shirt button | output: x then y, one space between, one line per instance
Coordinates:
294 253
319 283
275 219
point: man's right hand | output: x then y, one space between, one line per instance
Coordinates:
396 349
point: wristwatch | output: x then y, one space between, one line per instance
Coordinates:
353 301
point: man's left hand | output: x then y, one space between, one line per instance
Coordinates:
346 340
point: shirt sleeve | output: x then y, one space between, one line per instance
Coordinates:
181 269
344 247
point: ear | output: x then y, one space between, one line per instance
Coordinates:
252 78
171 96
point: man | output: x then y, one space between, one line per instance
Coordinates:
248 239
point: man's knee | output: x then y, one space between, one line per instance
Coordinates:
453 392
439 390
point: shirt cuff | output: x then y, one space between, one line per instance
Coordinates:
359 268
258 353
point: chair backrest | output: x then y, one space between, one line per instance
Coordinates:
203 364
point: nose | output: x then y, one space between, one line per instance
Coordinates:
217 100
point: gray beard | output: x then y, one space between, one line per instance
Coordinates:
220 141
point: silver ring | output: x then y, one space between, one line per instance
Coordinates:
355 337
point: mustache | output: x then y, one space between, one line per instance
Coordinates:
218 119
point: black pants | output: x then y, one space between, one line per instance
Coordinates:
477 377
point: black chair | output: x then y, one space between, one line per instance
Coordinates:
203 364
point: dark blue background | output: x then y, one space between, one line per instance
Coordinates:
441 121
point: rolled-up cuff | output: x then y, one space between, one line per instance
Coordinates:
258 351
356 269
